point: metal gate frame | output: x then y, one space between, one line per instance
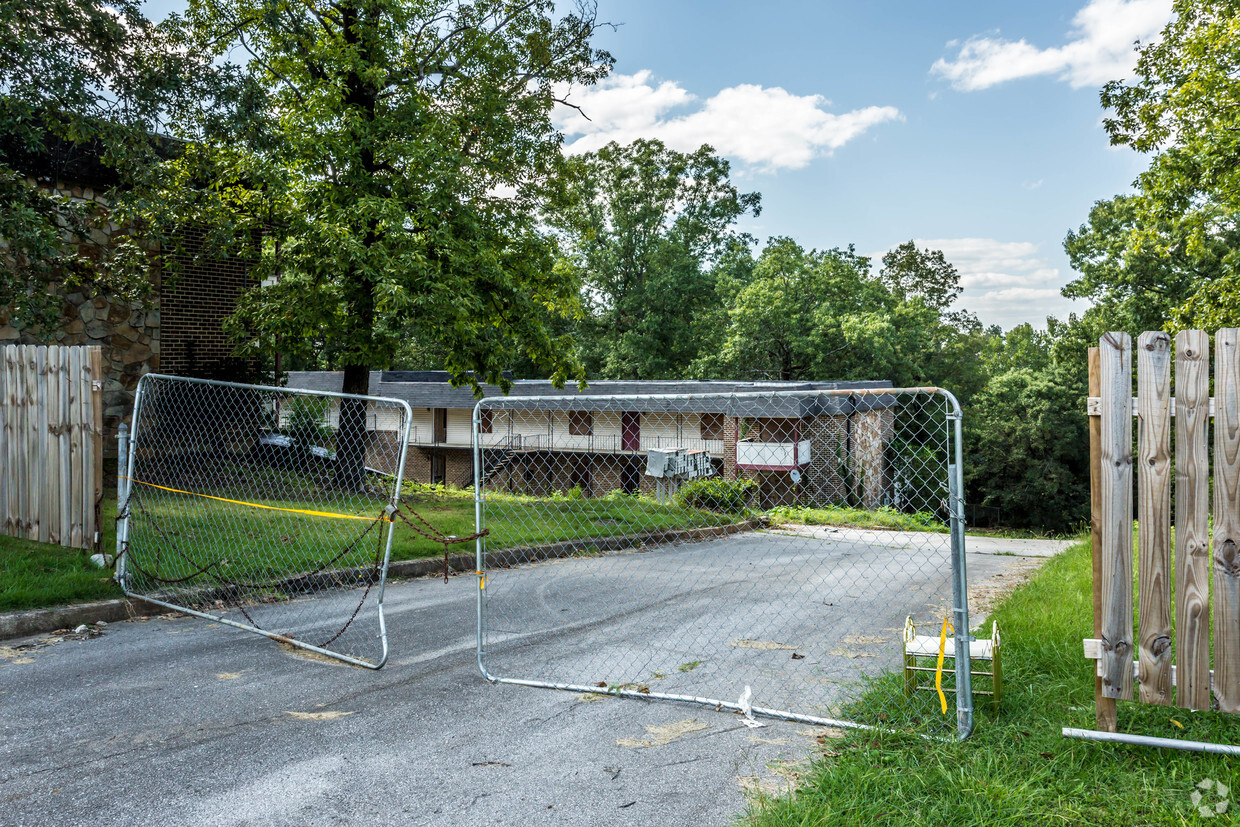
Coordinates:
126 454
960 610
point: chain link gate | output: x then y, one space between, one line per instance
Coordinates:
264 508
757 552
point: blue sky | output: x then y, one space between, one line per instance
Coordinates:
973 127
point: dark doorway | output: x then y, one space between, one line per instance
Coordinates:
439 425
631 476
581 477
630 431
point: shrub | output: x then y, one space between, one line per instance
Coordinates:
729 496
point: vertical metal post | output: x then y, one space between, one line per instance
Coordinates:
479 551
960 580
122 499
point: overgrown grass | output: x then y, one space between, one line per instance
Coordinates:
37 574
858 518
1017 768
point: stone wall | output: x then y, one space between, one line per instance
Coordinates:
177 331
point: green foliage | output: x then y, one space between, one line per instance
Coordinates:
641 225
307 422
82 84
927 273
393 154
1028 447
1179 232
714 494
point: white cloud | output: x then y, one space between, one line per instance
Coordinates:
1004 282
1099 48
766 128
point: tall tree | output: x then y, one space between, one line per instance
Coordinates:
82 85
1140 275
1181 105
643 225
908 271
394 154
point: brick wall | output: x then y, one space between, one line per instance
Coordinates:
192 309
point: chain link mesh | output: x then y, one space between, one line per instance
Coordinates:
266 508
766 545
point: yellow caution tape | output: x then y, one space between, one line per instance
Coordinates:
938 673
386 519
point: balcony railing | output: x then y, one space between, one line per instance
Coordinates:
772 456
560 440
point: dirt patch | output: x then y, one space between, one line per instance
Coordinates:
784 778
306 654
986 595
657 736
764 645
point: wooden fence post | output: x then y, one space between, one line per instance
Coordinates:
1105 712
1115 350
1227 519
1192 519
1154 516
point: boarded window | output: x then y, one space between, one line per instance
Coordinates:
484 421
712 426
580 423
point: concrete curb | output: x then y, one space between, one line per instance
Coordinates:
39 621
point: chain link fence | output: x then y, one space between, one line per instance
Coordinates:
264 508
758 552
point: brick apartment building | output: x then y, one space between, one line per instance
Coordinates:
800 441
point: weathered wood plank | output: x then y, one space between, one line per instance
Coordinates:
5 469
1192 514
76 475
1104 707
53 493
1115 349
1227 519
66 440
14 526
94 362
1154 517
41 447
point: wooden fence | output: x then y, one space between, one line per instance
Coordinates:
51 443
1171 667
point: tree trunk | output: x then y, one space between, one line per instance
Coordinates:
351 436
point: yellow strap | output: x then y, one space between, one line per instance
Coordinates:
938 673
266 507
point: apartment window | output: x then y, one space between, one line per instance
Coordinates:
484 421
712 426
580 423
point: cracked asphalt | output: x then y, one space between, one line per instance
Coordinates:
176 720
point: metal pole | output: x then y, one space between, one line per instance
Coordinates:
1151 741
122 498
479 551
960 579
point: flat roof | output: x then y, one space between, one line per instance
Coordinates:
426 389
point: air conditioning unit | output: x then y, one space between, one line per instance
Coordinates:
663 462
698 464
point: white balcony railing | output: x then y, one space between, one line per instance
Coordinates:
772 455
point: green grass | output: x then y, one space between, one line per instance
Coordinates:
858 518
1017 768
33 575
